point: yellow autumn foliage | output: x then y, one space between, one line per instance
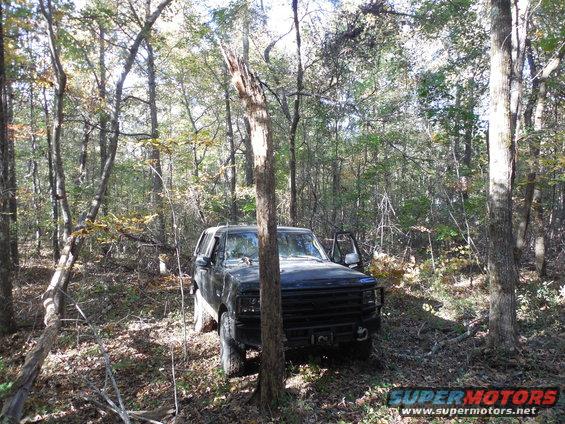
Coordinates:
387 267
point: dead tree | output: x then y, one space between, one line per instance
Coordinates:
271 374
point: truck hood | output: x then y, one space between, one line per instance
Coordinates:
302 275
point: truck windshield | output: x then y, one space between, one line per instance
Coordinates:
244 246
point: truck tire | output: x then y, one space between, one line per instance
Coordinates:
232 354
203 321
361 351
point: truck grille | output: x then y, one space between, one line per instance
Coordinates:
303 308
311 308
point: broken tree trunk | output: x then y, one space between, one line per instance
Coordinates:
271 374
14 403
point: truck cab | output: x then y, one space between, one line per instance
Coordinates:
326 300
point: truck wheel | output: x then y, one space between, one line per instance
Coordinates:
364 349
232 354
203 321
359 350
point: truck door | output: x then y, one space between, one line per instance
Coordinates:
345 251
217 272
202 272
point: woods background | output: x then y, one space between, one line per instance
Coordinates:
126 139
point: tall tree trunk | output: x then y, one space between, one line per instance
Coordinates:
34 169
12 181
156 171
57 124
196 161
52 186
231 174
13 405
533 126
539 226
271 374
502 272
520 22
336 174
247 140
295 117
103 115
83 156
7 324
467 156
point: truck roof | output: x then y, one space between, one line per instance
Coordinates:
242 228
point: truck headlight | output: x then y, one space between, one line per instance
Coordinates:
369 297
247 305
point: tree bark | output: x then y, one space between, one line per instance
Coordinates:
7 324
502 272
14 403
295 117
271 374
156 170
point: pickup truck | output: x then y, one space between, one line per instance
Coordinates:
326 300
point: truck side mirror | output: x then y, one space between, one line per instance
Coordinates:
352 259
202 261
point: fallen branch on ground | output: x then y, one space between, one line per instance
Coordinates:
151 416
472 328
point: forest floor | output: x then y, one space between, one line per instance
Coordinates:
139 320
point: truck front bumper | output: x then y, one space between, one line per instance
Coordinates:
319 335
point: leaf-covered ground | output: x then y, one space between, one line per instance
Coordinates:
140 322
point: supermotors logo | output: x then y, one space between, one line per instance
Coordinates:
472 401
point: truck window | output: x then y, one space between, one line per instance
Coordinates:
204 243
199 244
292 245
217 251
